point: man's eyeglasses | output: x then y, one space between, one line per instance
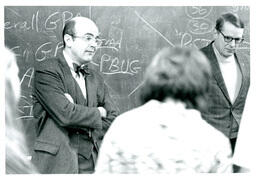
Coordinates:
88 38
229 39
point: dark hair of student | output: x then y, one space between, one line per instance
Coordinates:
178 73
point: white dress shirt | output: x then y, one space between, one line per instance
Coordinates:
231 74
79 79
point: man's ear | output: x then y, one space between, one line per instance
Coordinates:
215 34
68 40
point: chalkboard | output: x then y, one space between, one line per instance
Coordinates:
131 37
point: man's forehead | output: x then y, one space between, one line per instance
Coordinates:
232 29
86 26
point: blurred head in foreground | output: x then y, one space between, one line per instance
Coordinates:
17 161
180 74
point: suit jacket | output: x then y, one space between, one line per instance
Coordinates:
57 117
221 113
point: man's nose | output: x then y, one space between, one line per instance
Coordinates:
93 43
233 42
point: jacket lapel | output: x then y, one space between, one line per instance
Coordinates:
241 64
217 72
70 83
91 90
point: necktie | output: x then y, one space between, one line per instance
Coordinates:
83 69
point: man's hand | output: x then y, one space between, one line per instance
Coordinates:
69 97
103 112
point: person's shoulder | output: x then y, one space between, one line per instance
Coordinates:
214 134
198 121
93 71
206 48
96 74
134 115
48 63
132 120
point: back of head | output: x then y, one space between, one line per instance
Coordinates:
178 73
231 18
16 149
11 75
12 87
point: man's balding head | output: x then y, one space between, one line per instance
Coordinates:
79 25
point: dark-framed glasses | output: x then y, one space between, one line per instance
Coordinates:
229 39
89 38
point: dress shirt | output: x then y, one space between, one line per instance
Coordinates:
79 78
231 74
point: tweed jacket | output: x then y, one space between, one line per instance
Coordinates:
221 113
56 117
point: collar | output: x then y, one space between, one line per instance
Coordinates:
69 60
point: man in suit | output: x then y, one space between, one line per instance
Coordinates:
231 77
72 105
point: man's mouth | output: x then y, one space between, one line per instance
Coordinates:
90 52
230 50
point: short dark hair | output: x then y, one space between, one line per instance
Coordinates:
229 17
69 28
179 73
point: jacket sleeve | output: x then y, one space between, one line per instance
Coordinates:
49 91
111 108
107 102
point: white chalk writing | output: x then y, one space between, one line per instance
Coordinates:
154 29
113 65
38 22
27 77
198 12
25 109
47 50
201 26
